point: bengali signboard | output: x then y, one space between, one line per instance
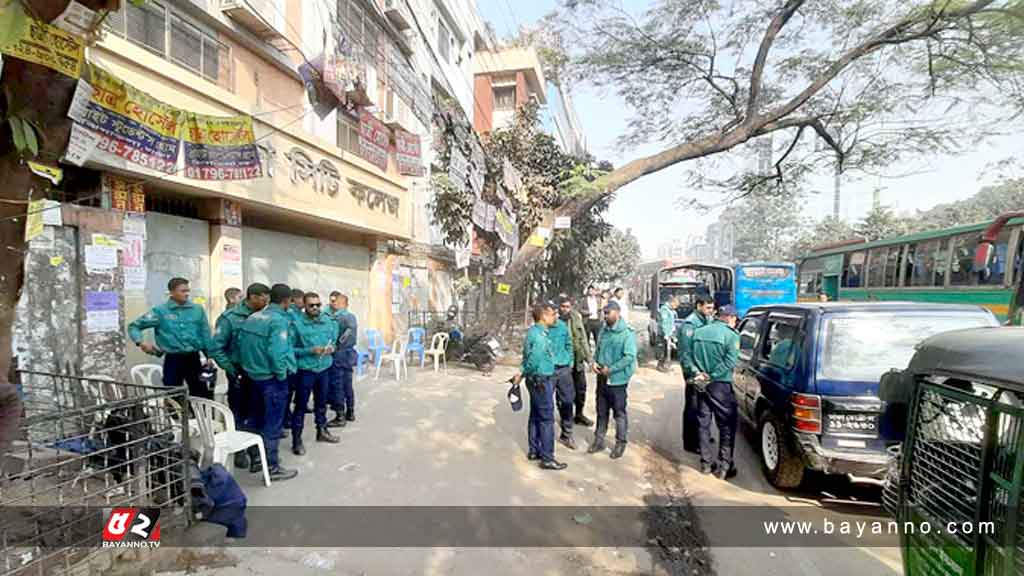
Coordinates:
458 166
408 153
131 124
374 139
124 195
49 46
220 148
505 226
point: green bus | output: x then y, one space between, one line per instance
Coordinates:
976 264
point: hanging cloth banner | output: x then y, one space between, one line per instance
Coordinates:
321 98
220 148
374 139
479 215
505 226
48 46
408 154
131 123
458 166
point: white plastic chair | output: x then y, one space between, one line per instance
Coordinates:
148 374
225 443
396 356
438 350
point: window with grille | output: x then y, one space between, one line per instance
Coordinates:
159 29
505 98
348 133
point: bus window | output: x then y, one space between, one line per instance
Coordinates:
854 277
811 276
876 267
892 266
997 270
929 264
962 271
910 261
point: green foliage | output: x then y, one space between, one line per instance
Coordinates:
23 132
612 258
14 22
763 227
987 204
881 222
829 229
450 209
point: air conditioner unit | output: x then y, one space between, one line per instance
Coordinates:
398 13
261 17
406 41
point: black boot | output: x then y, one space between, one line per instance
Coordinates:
351 416
255 464
338 422
553 465
596 446
619 449
583 420
281 473
241 460
324 435
297 448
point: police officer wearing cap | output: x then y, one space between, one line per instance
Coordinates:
538 368
716 349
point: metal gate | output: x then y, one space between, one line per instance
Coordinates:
85 445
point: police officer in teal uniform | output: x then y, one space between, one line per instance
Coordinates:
716 349
295 313
316 334
538 368
181 331
614 364
342 396
565 389
703 310
266 354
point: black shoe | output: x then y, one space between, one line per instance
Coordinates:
298 449
281 473
568 442
255 465
583 420
553 465
241 460
596 447
619 449
533 456
324 435
350 417
338 422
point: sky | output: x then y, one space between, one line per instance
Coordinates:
648 205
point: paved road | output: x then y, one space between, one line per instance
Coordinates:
453 441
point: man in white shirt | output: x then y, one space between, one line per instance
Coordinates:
620 298
591 312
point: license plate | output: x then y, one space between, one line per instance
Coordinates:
853 423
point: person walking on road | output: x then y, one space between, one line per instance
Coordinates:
181 331
538 367
316 335
581 357
342 396
614 365
667 325
592 310
225 352
267 357
565 391
716 349
700 317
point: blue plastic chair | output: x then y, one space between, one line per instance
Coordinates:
375 345
361 356
416 344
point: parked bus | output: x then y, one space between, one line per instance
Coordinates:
974 264
761 283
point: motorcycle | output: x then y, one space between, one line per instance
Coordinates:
481 350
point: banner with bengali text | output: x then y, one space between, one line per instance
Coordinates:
408 154
49 46
374 139
220 148
133 125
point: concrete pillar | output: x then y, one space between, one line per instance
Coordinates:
225 251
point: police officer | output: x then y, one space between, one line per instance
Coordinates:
614 365
224 350
565 390
667 324
294 314
232 296
581 356
538 368
342 395
716 349
316 334
181 331
267 357
700 317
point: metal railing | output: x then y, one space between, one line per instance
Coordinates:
85 444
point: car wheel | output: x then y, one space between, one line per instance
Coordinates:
780 465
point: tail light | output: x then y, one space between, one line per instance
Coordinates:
806 411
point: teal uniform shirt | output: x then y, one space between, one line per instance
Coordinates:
538 358
561 343
616 350
667 320
684 341
265 344
178 328
716 350
224 345
310 333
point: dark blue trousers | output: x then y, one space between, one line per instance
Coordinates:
308 382
565 397
293 385
238 399
691 425
611 399
541 429
184 369
341 396
274 394
719 402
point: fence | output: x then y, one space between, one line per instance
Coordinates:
85 444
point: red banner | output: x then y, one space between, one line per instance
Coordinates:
374 139
408 153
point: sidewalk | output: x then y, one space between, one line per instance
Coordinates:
453 440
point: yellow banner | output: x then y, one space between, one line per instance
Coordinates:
119 97
34 220
50 46
219 130
504 289
536 241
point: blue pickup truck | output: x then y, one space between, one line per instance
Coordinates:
808 379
